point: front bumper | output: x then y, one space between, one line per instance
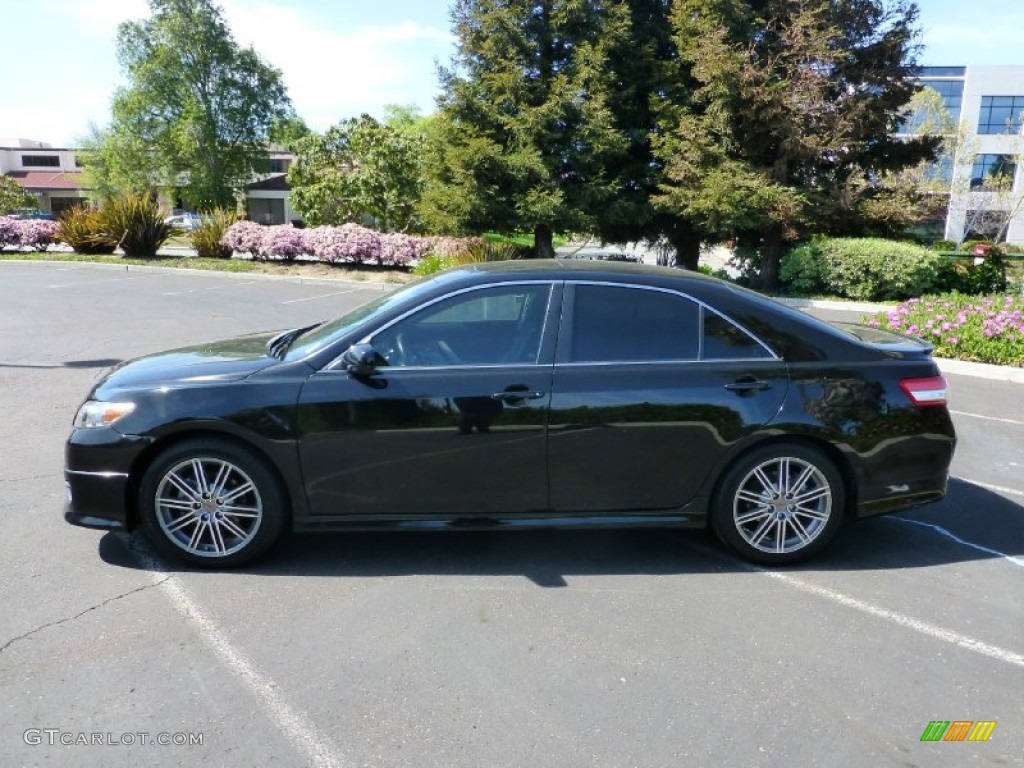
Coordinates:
97 469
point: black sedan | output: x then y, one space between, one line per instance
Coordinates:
525 393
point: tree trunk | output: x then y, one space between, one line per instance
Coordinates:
771 252
542 242
687 245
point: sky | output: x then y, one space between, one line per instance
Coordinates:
339 58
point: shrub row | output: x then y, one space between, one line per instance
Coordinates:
27 233
883 270
348 244
860 268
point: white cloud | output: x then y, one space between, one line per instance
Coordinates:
332 73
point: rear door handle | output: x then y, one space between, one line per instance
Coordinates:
748 384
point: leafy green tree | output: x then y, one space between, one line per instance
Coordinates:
360 170
197 111
115 162
793 102
13 196
286 131
525 117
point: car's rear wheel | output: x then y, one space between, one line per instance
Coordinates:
211 502
779 504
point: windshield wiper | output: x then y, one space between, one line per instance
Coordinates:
280 344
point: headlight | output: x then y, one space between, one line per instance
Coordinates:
96 414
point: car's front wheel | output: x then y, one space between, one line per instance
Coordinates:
211 502
779 504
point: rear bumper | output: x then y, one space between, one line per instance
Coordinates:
907 480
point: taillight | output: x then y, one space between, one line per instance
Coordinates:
928 391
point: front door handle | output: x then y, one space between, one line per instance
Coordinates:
745 384
516 395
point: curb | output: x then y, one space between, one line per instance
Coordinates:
1007 373
836 306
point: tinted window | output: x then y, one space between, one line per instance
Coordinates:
492 326
630 324
40 161
725 341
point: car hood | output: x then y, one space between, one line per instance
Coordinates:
226 360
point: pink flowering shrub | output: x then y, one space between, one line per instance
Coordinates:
399 250
38 233
243 237
454 246
10 232
347 244
281 243
27 233
988 329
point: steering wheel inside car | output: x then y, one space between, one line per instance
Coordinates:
432 352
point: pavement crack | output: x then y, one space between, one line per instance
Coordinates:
79 615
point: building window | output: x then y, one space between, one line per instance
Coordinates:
278 165
986 224
1000 114
952 93
992 168
40 161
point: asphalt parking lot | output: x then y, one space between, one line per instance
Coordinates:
603 648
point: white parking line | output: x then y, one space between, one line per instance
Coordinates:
209 288
987 487
988 418
92 282
322 296
945 635
315 747
950 535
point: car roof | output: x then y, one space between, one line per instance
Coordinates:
580 269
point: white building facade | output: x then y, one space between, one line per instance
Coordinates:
988 104
50 174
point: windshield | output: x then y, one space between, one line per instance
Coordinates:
320 336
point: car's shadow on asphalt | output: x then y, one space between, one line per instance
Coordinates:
987 525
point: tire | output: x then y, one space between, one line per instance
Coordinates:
212 503
753 515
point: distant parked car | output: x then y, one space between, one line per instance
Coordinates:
32 213
186 221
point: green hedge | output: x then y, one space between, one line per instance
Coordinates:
869 269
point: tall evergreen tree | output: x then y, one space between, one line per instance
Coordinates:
794 100
650 81
525 117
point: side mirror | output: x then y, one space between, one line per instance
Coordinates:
361 360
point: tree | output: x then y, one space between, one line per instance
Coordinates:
357 170
650 82
286 131
198 110
13 196
117 162
525 116
794 100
